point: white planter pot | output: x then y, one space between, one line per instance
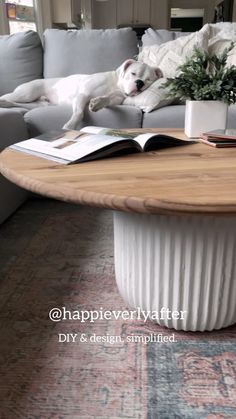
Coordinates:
205 115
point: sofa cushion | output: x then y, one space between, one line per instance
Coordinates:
173 117
160 36
21 59
87 51
21 110
168 117
13 127
49 118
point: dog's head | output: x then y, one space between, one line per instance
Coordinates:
135 76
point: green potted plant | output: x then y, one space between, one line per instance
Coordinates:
208 85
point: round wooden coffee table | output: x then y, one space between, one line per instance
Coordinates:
174 225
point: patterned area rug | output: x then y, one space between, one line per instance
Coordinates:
59 255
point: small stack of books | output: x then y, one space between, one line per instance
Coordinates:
220 138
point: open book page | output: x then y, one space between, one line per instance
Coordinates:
141 139
144 141
69 149
113 132
94 130
92 143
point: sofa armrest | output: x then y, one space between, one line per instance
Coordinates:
12 128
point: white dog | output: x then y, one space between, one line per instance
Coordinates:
96 90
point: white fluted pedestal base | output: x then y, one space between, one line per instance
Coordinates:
180 263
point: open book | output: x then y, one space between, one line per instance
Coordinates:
92 143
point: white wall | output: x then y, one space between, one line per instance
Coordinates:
160 14
160 9
43 15
61 11
104 14
109 14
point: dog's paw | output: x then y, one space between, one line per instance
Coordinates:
97 103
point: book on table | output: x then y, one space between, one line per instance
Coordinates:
219 138
92 143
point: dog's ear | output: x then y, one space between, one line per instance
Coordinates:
159 73
127 63
122 69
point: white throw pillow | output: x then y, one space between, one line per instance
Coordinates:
160 36
170 55
153 97
221 36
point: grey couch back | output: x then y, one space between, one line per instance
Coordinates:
86 51
68 52
21 60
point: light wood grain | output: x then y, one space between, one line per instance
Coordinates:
189 179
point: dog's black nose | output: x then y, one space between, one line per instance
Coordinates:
139 84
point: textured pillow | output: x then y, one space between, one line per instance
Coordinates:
152 98
160 36
21 60
170 55
221 36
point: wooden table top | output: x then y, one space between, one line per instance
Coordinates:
187 179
